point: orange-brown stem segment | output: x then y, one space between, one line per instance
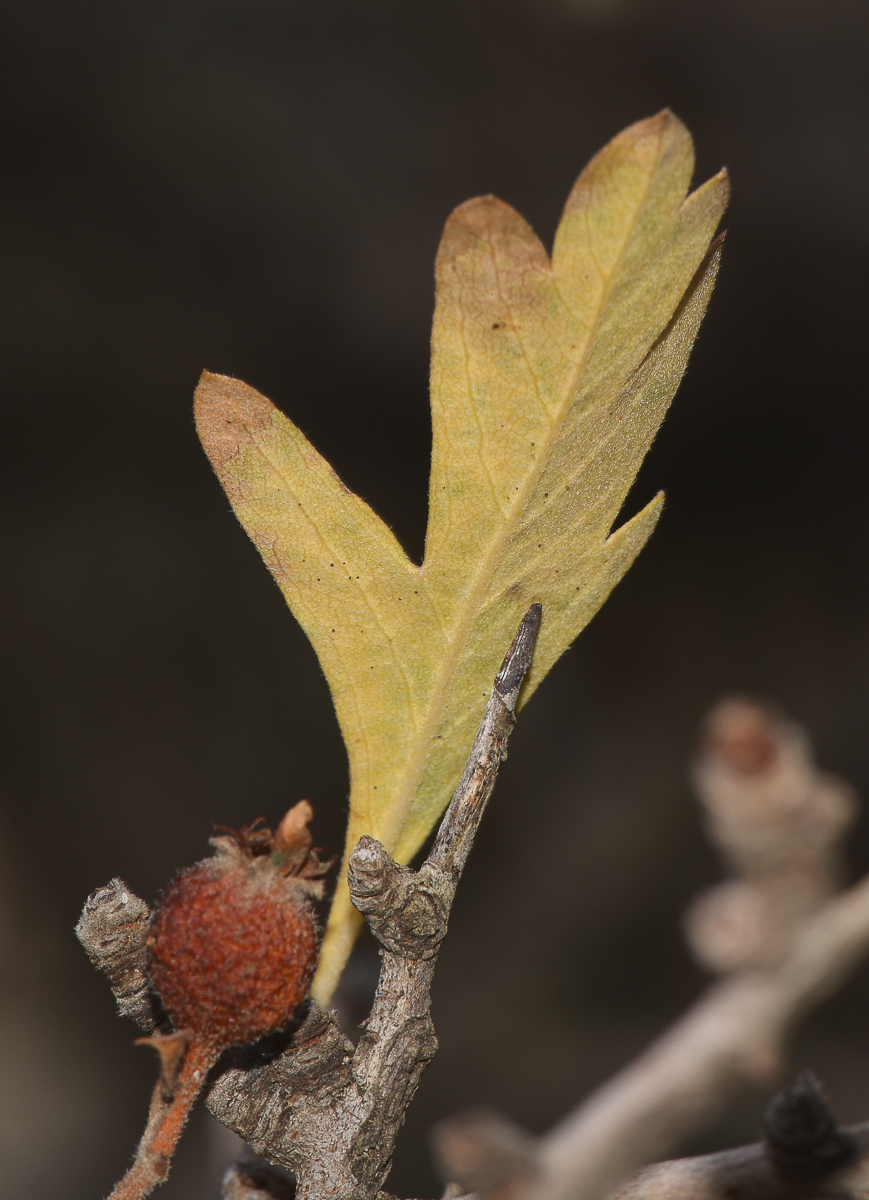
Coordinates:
166 1120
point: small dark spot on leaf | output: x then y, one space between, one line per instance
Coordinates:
496 325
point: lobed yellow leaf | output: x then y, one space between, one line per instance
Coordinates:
549 381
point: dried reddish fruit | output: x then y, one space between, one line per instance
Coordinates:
232 949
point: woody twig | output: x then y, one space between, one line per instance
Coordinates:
310 1102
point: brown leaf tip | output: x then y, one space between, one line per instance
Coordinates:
221 401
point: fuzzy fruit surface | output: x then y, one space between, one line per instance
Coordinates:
232 948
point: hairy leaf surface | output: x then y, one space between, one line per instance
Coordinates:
549 381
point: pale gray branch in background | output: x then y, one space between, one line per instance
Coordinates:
777 822
733 1035
784 945
805 1155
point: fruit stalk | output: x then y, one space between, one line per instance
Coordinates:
166 1120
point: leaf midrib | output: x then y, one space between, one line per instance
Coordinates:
482 578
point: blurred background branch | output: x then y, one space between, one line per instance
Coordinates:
780 934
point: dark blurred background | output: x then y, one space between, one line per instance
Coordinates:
258 187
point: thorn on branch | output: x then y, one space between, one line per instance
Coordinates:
460 822
517 663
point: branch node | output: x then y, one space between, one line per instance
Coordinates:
406 910
372 872
112 930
